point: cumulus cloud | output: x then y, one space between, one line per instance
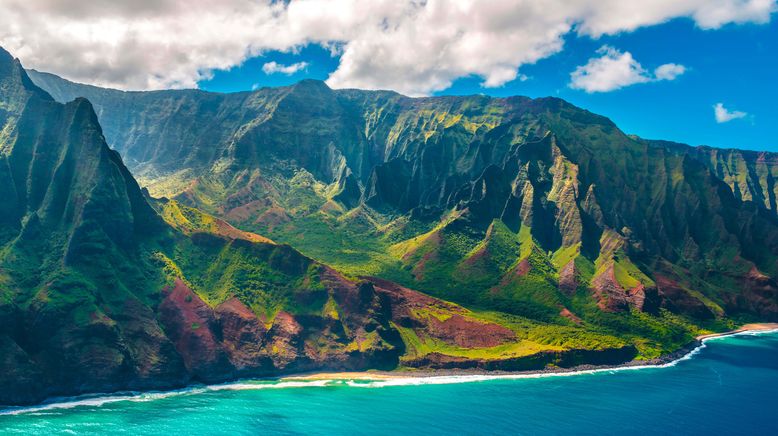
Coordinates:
612 70
412 46
669 71
724 115
274 67
615 70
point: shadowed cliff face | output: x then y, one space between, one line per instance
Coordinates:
74 307
750 175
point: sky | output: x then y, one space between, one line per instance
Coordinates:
693 71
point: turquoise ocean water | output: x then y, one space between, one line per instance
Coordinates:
730 386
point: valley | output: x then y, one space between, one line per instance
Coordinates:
149 240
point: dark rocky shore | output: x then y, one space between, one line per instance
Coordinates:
446 372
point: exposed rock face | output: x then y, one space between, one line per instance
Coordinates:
568 280
244 336
679 300
611 296
191 325
570 315
759 293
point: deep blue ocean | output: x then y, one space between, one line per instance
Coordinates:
729 386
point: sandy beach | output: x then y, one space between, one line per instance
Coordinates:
746 328
352 375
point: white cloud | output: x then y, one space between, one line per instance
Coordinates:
724 115
273 67
412 46
669 71
615 70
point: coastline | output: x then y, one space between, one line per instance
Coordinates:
754 327
376 378
664 360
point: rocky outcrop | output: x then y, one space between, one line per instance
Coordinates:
758 295
244 337
568 278
191 326
679 300
612 297
609 293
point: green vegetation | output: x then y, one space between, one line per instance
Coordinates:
542 224
419 347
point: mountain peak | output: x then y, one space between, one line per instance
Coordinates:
310 86
312 83
61 168
14 82
5 56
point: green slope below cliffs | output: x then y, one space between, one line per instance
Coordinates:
533 208
103 288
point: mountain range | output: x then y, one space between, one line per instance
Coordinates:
153 239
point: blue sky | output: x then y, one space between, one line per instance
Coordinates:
656 67
735 65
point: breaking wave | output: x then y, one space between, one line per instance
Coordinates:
101 400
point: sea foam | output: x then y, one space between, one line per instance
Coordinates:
98 401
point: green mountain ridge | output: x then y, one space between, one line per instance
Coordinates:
750 174
412 189
103 288
539 233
